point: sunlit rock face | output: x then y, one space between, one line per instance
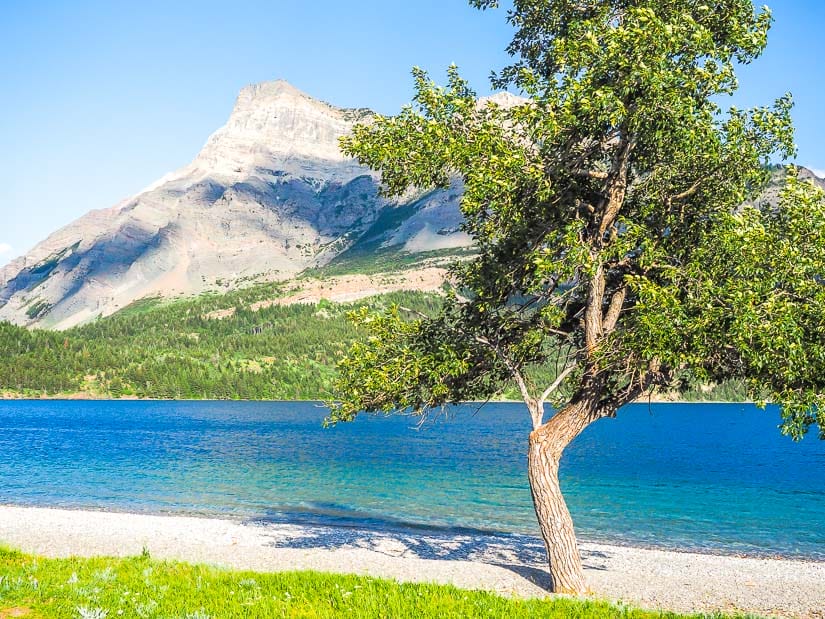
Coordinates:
269 195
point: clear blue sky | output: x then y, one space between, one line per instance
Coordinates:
101 98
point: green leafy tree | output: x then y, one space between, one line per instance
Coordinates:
606 209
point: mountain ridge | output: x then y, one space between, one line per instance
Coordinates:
269 195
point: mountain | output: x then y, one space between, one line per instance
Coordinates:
268 196
807 174
770 196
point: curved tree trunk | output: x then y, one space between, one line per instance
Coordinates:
547 444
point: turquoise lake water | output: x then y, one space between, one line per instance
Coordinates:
717 477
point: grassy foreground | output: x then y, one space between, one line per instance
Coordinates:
141 587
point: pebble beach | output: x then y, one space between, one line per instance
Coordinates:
647 578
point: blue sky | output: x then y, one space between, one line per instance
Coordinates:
99 99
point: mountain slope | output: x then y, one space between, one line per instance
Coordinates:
269 195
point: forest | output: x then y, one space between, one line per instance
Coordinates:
179 350
155 349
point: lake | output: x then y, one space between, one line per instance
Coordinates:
711 477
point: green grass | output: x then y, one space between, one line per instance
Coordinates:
142 587
388 260
141 306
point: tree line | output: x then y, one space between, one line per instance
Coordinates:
156 349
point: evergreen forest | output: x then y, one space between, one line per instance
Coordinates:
214 346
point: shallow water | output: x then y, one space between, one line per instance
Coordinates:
695 476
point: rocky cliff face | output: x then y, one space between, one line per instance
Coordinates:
806 174
269 195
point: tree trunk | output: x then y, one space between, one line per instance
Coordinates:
547 444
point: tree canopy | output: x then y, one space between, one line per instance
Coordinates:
612 207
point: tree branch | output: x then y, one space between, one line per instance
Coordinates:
614 310
593 310
594 174
616 186
421 315
532 405
638 385
689 191
556 383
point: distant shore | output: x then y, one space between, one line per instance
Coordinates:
658 579
662 398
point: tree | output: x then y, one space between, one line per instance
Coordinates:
607 212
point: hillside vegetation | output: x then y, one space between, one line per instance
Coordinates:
176 350
182 349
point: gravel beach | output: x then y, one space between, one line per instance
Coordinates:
686 582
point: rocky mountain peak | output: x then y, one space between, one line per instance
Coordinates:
275 120
271 89
503 99
269 195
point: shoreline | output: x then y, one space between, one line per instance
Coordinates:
410 529
81 396
674 580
